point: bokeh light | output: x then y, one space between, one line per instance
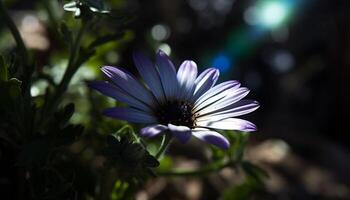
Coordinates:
160 32
272 14
282 61
165 47
269 14
222 62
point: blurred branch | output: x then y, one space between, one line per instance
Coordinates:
213 167
14 31
72 67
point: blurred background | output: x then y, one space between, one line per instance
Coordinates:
294 55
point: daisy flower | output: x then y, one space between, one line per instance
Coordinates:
179 102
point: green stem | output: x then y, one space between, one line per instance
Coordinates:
72 67
213 167
164 145
137 138
15 33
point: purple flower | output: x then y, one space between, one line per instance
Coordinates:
180 102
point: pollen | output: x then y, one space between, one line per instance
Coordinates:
177 113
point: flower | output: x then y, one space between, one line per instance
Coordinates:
179 102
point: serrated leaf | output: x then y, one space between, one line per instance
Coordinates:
151 161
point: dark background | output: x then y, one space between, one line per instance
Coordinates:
297 68
304 105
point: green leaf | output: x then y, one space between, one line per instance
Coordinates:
63 115
254 171
129 158
34 153
69 134
151 161
3 69
10 93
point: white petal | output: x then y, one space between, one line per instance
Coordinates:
229 124
211 137
205 81
186 76
182 133
217 90
153 130
240 108
214 103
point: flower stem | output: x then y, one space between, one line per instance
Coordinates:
167 138
15 33
213 167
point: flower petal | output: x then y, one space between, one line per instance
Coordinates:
153 130
129 114
205 81
149 74
115 92
182 133
229 124
167 75
129 84
237 109
186 77
222 100
211 137
214 91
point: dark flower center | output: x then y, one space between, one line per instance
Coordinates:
176 113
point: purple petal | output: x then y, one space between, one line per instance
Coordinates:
229 124
167 74
237 109
222 100
129 114
212 137
153 130
113 91
182 133
214 91
205 81
149 74
186 76
125 81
